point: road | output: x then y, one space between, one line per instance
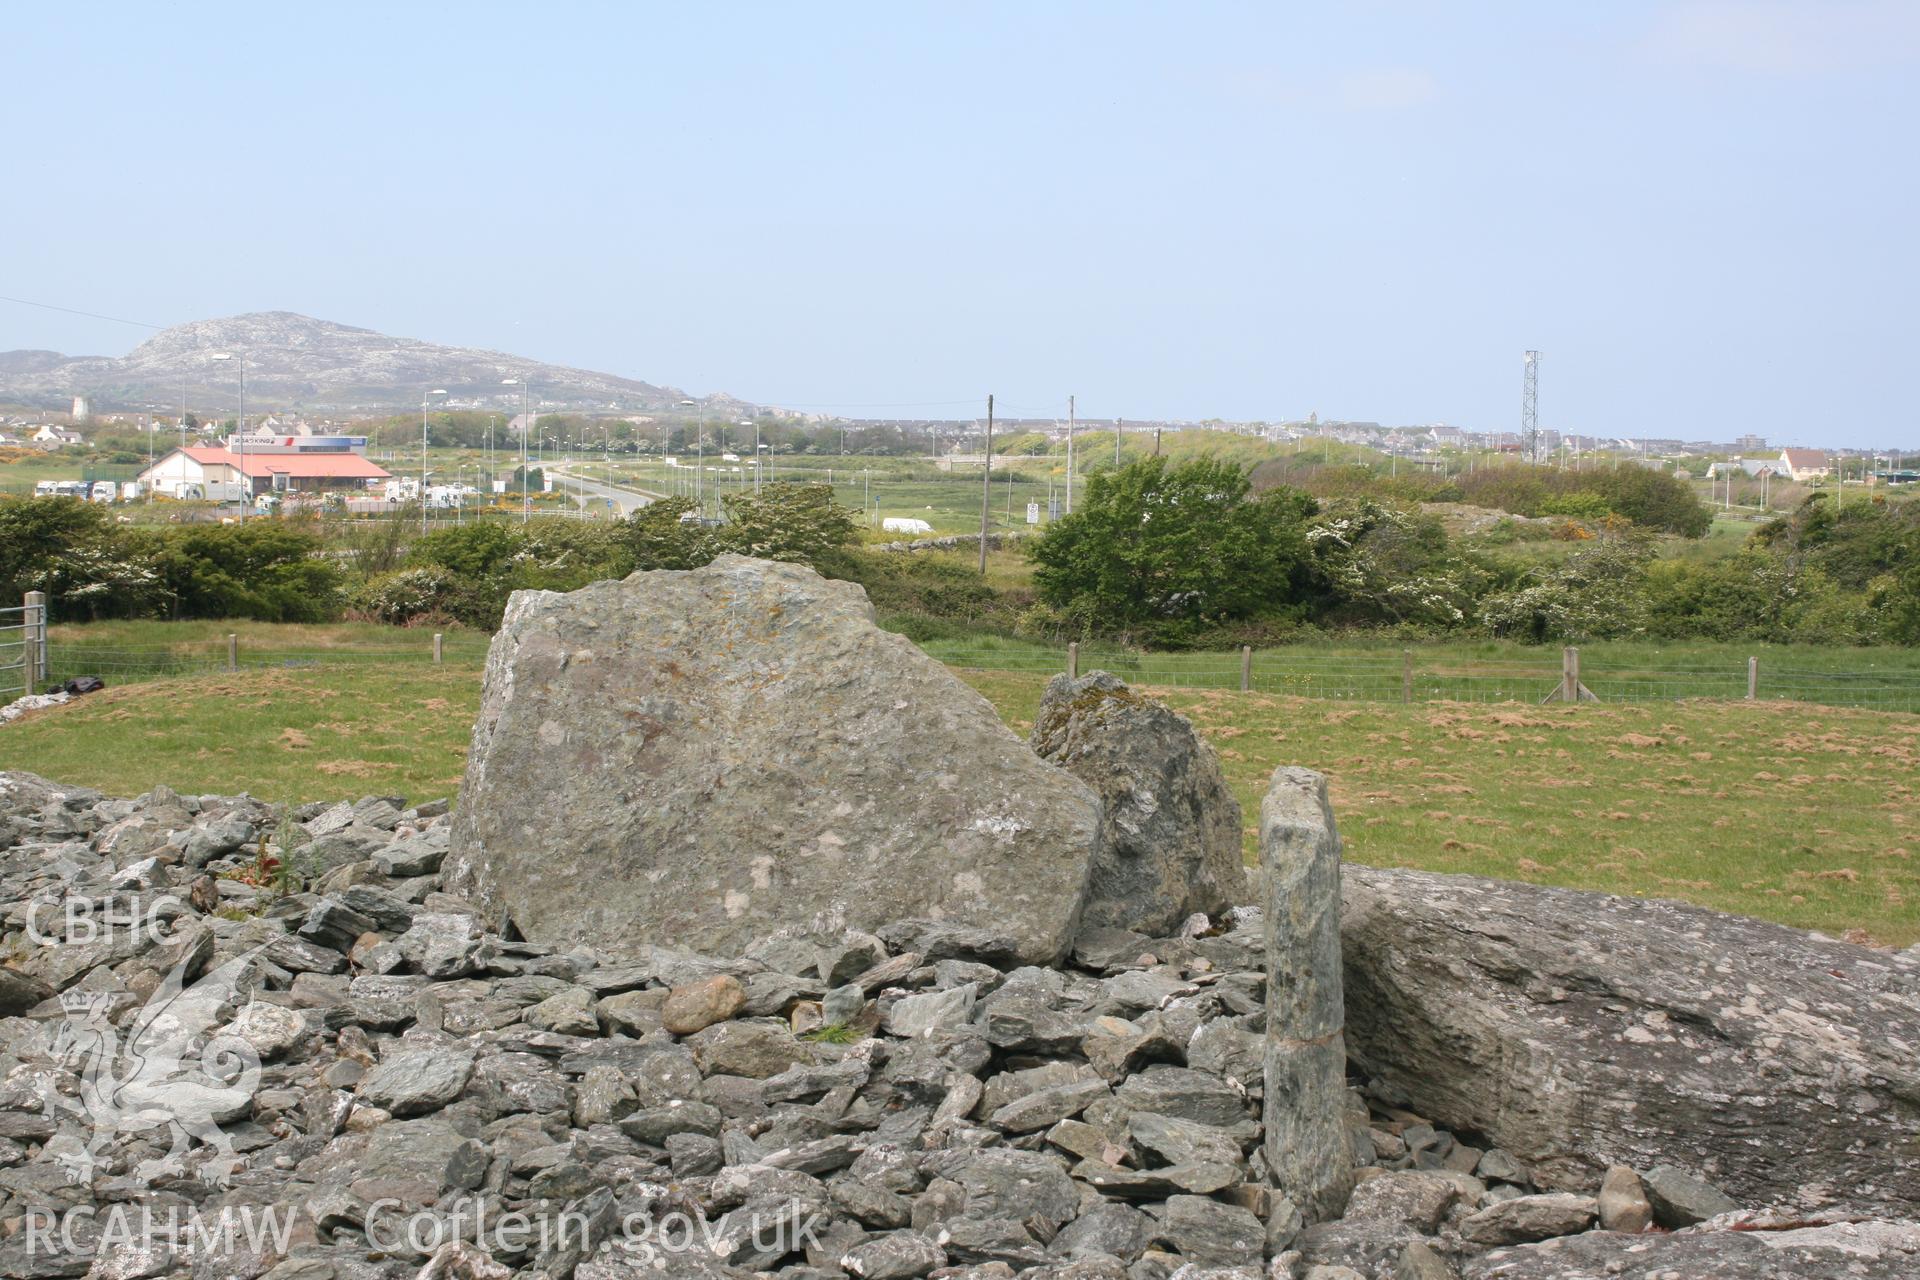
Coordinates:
592 493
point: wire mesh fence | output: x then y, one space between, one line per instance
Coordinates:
1439 674
127 663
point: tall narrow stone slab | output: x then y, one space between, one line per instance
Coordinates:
1306 1061
696 759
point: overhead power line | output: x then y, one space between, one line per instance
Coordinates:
91 315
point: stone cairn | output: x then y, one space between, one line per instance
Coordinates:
330 1017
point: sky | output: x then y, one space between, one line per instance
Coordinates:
1701 212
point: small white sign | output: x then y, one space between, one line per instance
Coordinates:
1033 513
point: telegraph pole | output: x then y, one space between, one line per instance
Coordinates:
986 488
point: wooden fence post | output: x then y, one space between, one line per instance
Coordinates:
1753 678
1406 675
1246 667
34 641
436 648
1073 659
1573 674
233 652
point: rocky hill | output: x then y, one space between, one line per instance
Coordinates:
295 361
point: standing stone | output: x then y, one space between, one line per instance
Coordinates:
696 759
1306 1096
1169 828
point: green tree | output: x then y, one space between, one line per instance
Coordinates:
264 569
1380 564
87 567
472 550
1598 593
662 535
787 521
1165 550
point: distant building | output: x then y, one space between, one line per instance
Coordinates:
82 409
52 437
209 471
1750 444
1805 464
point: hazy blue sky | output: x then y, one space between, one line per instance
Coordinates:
1702 211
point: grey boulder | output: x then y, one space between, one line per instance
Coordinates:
1579 1031
1170 826
701 758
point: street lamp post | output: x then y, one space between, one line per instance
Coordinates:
246 482
699 459
437 391
526 500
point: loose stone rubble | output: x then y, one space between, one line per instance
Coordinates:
392 1066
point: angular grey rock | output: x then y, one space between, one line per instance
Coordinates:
1679 1199
899 1255
1169 826
912 1016
1526 1218
1407 1198
1185 1094
731 750
19 992
1418 1262
416 1081
1045 1108
1306 1057
1211 1233
1578 1030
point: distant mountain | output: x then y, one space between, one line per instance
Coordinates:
295 361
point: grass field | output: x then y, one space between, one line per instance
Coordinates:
906 487
21 469
1806 815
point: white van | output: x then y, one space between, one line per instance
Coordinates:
103 491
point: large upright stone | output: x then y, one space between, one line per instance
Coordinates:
1306 1068
1580 1030
1170 827
695 759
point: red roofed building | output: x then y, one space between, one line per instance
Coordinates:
211 471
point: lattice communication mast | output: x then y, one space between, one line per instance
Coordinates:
1530 406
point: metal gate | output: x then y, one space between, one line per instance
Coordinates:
23 647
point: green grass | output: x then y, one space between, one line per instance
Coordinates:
1805 815
22 469
1797 813
138 650
911 488
299 734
